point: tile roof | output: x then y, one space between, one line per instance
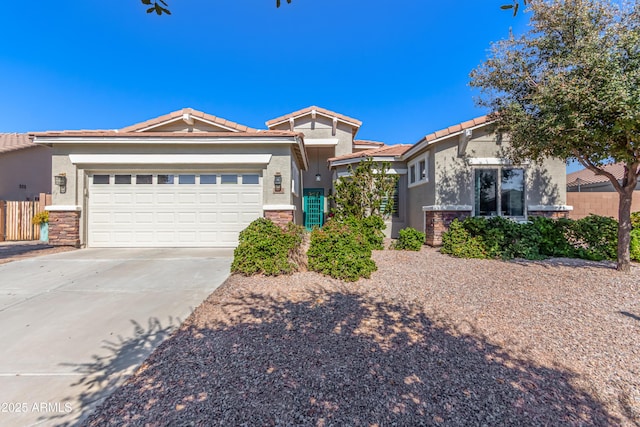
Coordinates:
355 122
443 133
385 151
586 176
14 142
234 127
367 142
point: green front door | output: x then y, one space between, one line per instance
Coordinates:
313 207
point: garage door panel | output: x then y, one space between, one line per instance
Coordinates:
250 198
187 218
123 198
101 199
144 218
123 218
166 198
208 217
165 217
208 198
229 198
170 215
187 198
144 199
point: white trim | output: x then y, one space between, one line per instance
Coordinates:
178 139
318 113
353 160
182 117
447 208
416 163
320 142
494 161
63 208
391 171
171 159
549 208
279 207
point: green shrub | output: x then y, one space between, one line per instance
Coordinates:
635 244
553 236
409 239
265 248
370 228
595 237
635 220
340 251
458 241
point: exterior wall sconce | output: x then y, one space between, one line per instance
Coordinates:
277 183
61 181
318 177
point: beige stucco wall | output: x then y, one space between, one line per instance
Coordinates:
30 167
451 176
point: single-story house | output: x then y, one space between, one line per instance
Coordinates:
589 193
25 168
193 179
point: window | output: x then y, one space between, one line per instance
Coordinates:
499 191
165 179
418 172
186 179
207 179
101 179
394 202
123 179
251 179
144 179
229 179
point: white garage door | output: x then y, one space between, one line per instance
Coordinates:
171 209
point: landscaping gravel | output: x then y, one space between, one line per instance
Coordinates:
428 340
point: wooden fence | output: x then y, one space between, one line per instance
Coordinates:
15 219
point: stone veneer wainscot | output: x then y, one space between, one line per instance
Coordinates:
64 225
437 220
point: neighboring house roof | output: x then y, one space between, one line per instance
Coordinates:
310 111
187 114
385 151
586 176
448 132
14 142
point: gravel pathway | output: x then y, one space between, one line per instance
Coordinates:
428 340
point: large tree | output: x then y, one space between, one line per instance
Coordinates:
570 88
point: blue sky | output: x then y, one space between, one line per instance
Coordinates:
399 66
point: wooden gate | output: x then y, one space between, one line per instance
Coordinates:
15 219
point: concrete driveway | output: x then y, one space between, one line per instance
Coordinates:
74 325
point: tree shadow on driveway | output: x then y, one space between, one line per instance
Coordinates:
118 359
338 358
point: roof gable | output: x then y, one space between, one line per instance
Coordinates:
187 120
448 132
314 111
